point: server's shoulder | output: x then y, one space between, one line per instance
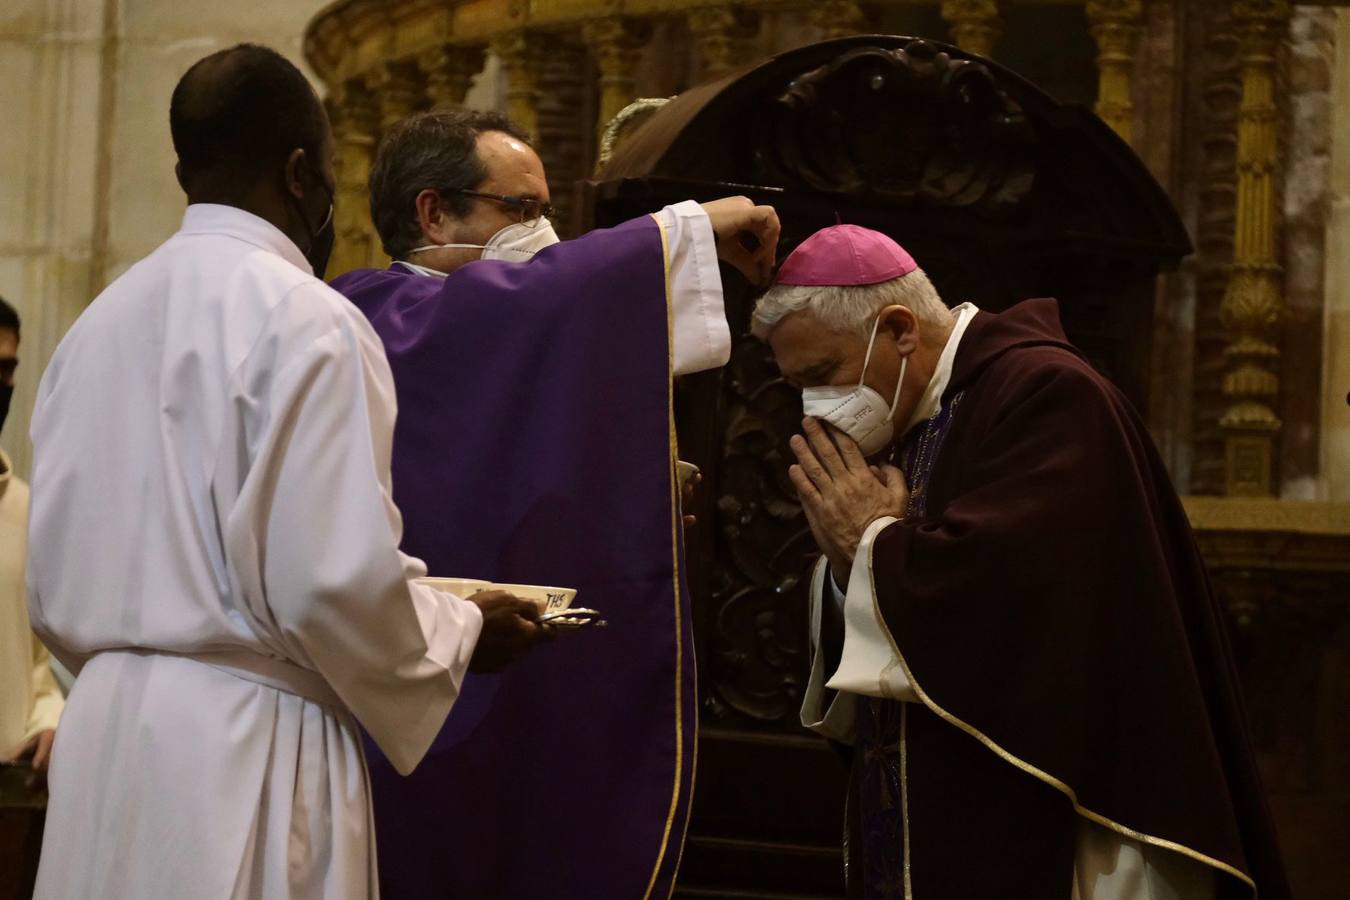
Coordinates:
309 312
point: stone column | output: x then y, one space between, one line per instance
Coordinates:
1336 322
837 18
1115 26
354 117
522 54
616 45
449 71
721 34
398 86
976 26
1252 304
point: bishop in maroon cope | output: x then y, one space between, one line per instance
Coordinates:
1015 634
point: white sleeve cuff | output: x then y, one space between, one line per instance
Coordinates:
836 722
700 336
870 664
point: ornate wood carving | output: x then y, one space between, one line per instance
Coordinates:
398 87
1115 26
832 130
522 54
837 18
1253 303
566 140
353 114
721 33
976 26
616 44
1212 132
756 633
449 71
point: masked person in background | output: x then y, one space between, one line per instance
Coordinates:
534 390
30 701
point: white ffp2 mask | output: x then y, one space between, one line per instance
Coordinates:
514 243
860 412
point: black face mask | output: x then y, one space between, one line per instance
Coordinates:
321 239
6 394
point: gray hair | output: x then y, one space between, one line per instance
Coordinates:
850 308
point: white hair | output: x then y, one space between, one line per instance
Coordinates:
850 308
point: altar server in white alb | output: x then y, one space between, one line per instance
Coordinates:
213 545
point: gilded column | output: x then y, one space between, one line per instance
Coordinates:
837 18
721 33
1252 305
353 113
616 45
449 72
975 24
398 85
1115 26
522 56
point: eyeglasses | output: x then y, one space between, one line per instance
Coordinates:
530 209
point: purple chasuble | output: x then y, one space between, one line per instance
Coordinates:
534 445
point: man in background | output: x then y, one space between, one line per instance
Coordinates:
30 701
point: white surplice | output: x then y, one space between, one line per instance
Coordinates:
213 548
1108 865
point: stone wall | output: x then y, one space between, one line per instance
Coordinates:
1335 437
86 162
1310 59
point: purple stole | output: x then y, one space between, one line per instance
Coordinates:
535 445
880 723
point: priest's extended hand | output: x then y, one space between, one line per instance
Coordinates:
747 236
510 627
841 494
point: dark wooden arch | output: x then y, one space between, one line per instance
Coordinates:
1001 193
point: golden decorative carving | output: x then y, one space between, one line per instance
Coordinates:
449 71
1115 26
976 26
398 85
617 129
352 110
1216 89
616 45
837 18
721 33
1252 305
522 55
1266 514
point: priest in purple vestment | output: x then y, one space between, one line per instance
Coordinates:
1013 629
535 444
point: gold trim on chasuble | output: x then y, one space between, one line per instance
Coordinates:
1021 764
676 522
904 790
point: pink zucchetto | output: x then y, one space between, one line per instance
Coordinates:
845 255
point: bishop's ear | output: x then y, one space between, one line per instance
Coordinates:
902 326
